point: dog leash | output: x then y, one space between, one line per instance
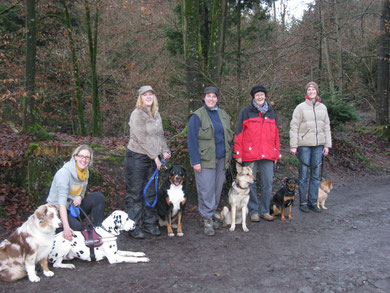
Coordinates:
75 212
309 166
155 177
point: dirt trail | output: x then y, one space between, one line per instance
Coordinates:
343 249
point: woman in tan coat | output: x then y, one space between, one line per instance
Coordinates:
146 144
310 139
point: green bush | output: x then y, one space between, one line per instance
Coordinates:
340 109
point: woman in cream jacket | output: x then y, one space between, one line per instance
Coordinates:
310 139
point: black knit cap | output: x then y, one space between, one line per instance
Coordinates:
258 88
211 89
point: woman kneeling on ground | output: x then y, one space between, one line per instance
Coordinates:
69 185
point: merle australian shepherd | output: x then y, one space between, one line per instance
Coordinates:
172 197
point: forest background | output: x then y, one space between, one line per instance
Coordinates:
70 70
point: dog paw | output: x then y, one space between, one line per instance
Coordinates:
180 234
64 266
171 234
33 278
138 254
48 273
324 208
245 229
143 259
231 229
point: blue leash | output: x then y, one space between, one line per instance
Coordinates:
154 176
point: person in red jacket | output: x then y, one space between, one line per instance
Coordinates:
257 140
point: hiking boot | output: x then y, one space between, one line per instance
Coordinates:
152 229
304 208
208 227
216 224
255 218
267 217
137 233
314 208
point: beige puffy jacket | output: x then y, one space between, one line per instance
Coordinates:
146 134
310 125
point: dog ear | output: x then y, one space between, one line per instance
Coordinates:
285 179
184 171
238 167
41 212
296 181
251 165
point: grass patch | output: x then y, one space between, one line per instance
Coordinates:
291 161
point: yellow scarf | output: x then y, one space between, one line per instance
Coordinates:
82 174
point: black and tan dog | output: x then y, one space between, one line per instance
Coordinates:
172 197
284 199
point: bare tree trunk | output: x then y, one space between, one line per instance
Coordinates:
192 52
217 38
31 49
339 48
382 101
92 45
76 74
327 57
238 19
221 48
320 44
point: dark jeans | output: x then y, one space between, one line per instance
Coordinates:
93 205
266 169
139 168
309 158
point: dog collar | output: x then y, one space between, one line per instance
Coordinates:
238 184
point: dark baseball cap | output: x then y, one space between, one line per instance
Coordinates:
211 89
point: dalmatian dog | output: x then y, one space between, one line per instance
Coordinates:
66 250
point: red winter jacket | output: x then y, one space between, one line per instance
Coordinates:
257 135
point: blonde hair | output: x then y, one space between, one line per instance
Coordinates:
154 109
82 148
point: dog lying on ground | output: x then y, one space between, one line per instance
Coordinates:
110 228
325 188
238 199
172 198
28 245
284 199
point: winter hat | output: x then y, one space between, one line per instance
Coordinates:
211 89
258 88
144 89
312 84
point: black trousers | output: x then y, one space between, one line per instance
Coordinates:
93 205
139 168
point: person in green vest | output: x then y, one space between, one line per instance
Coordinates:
209 144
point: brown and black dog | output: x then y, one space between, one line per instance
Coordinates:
284 199
172 198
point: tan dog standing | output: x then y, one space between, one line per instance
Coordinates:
325 188
239 198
